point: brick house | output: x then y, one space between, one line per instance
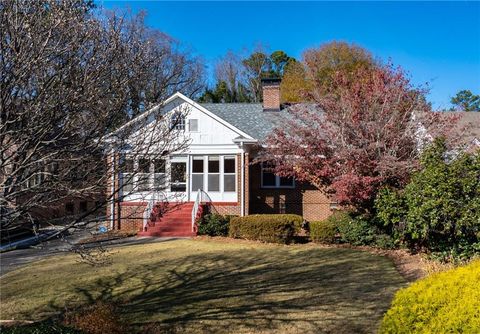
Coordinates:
224 140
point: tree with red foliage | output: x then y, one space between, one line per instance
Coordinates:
363 133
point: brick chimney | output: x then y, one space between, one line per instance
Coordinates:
271 94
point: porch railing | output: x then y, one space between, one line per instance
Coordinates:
201 198
148 211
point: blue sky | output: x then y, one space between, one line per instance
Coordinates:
436 42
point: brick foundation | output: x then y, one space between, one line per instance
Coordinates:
131 216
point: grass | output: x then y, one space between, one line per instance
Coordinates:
205 286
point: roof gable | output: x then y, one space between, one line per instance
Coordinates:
179 95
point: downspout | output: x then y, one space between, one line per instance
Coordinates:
242 182
112 202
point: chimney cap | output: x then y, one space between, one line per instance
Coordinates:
266 81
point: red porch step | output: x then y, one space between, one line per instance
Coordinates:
170 220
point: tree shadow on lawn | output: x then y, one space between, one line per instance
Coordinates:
269 290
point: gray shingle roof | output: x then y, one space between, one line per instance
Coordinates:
248 117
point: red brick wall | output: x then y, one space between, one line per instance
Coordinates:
226 208
131 216
271 96
304 199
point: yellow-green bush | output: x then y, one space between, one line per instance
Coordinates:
446 302
268 228
323 231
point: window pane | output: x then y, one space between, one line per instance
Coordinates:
159 181
268 179
213 165
127 166
213 182
229 183
197 182
197 166
159 166
178 121
286 182
229 165
193 125
127 183
179 187
178 176
143 181
144 166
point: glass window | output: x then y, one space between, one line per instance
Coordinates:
229 178
229 182
159 166
178 176
197 182
197 173
214 173
193 125
286 181
213 165
143 181
126 165
159 174
127 170
127 183
144 166
69 208
229 165
213 182
268 177
178 121
270 180
83 206
143 175
197 165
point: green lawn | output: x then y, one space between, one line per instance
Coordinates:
215 286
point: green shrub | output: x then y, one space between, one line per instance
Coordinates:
358 231
214 225
323 231
385 241
439 210
446 302
267 228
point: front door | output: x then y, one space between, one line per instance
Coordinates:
178 176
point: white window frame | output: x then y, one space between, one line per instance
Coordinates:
189 125
219 173
277 181
223 174
154 186
202 159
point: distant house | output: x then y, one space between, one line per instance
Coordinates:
224 140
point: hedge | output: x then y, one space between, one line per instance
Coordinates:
267 228
323 231
447 302
213 225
